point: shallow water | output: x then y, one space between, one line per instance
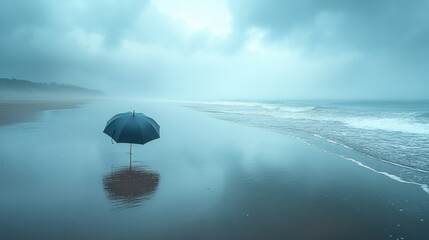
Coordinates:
61 178
394 132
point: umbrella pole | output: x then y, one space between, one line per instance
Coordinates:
131 148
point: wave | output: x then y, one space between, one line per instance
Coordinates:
392 124
423 186
423 115
231 112
267 106
387 124
296 109
413 168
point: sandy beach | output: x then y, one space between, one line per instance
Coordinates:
204 178
12 111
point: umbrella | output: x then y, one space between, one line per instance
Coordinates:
129 186
131 127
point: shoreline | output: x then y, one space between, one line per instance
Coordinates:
396 171
19 111
358 159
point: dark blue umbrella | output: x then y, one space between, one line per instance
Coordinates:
131 127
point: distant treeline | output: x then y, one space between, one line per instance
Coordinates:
11 88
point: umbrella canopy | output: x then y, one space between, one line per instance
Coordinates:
131 127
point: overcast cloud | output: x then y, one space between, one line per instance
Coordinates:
218 49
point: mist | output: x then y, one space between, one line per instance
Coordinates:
220 49
214 119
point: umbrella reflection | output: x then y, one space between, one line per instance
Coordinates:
129 186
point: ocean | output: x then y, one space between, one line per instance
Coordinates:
387 137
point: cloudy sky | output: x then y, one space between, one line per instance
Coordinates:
221 49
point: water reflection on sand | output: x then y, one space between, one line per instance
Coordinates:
129 186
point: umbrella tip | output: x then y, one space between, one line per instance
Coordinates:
133 113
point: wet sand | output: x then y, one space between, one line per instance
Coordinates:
61 178
25 110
